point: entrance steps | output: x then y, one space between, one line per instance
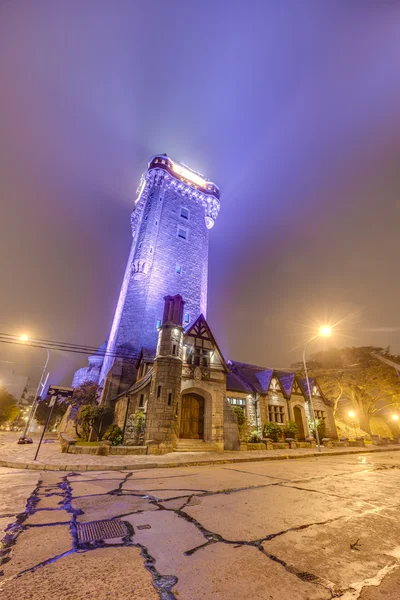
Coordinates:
184 445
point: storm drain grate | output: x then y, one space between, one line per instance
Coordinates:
101 530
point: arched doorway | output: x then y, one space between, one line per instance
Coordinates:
192 417
298 417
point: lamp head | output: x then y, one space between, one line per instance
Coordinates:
325 331
24 337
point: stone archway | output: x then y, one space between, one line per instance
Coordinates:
192 417
298 414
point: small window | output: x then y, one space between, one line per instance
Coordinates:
169 398
276 413
187 318
184 213
158 323
156 222
141 401
182 233
140 245
178 269
151 249
319 414
159 391
174 349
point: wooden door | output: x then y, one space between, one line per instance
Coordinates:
299 422
192 417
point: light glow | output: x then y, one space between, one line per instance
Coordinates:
352 414
325 331
24 337
395 417
188 174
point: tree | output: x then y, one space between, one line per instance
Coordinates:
86 393
9 410
91 417
358 375
43 409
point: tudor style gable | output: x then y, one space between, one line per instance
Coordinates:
201 349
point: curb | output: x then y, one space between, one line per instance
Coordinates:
191 463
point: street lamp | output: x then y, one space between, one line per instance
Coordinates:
395 417
324 331
25 338
352 415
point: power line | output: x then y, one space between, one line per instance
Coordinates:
65 347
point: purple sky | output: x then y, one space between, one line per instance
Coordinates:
292 108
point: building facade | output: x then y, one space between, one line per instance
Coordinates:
161 369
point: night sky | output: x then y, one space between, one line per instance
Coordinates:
291 107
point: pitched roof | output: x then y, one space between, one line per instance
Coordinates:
200 328
234 383
286 380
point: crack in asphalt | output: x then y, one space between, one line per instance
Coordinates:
164 584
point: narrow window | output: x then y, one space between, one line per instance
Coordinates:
140 245
158 323
178 269
159 391
156 222
182 233
169 398
174 349
141 401
184 213
151 249
187 318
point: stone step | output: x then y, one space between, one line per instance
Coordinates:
195 446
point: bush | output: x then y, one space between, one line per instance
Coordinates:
291 430
273 430
113 434
240 415
321 429
254 437
89 417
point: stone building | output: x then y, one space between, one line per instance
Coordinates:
161 369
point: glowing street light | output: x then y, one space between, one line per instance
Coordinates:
352 415
24 337
324 331
395 417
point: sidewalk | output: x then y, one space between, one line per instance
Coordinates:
51 458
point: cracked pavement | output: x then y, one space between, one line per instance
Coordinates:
310 529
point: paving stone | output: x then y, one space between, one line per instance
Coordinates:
45 517
385 589
167 539
174 504
106 507
332 557
36 545
94 487
53 501
225 572
255 513
102 574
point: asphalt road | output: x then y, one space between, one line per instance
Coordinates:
309 529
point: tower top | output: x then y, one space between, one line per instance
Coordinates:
189 182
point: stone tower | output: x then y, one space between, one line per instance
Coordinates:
173 212
162 407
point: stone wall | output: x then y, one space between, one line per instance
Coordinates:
231 429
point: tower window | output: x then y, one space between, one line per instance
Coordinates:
178 269
187 318
140 245
169 398
182 233
151 249
159 391
158 323
184 213
174 349
156 222
141 401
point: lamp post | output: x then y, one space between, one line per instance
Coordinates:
352 415
324 331
24 338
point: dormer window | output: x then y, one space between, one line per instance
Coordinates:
199 357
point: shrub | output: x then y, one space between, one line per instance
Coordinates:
273 430
321 428
254 437
240 415
113 434
291 430
89 417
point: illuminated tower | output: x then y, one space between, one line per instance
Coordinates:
174 210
